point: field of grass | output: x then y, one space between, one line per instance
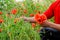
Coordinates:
14 28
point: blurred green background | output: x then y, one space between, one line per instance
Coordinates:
14 28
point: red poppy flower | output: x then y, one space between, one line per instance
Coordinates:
25 11
1 20
14 11
0 12
0 30
40 18
31 15
33 25
43 17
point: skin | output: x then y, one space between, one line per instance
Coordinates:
51 25
46 23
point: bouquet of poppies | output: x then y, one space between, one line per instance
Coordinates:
40 18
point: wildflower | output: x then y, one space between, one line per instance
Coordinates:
0 12
25 11
33 25
0 30
1 20
40 18
14 11
31 15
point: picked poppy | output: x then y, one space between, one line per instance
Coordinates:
1 20
40 18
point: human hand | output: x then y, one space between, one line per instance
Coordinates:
40 18
22 17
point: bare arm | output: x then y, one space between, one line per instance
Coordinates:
45 23
51 25
30 19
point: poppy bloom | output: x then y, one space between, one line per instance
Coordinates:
0 12
1 20
40 18
14 11
43 17
25 11
33 25
31 15
0 30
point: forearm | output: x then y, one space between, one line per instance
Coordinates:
30 19
51 25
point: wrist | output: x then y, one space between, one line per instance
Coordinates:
25 19
44 23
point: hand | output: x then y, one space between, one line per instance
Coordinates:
22 17
40 18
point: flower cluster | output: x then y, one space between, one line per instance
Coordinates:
40 18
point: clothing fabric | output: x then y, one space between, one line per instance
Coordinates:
54 10
49 34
